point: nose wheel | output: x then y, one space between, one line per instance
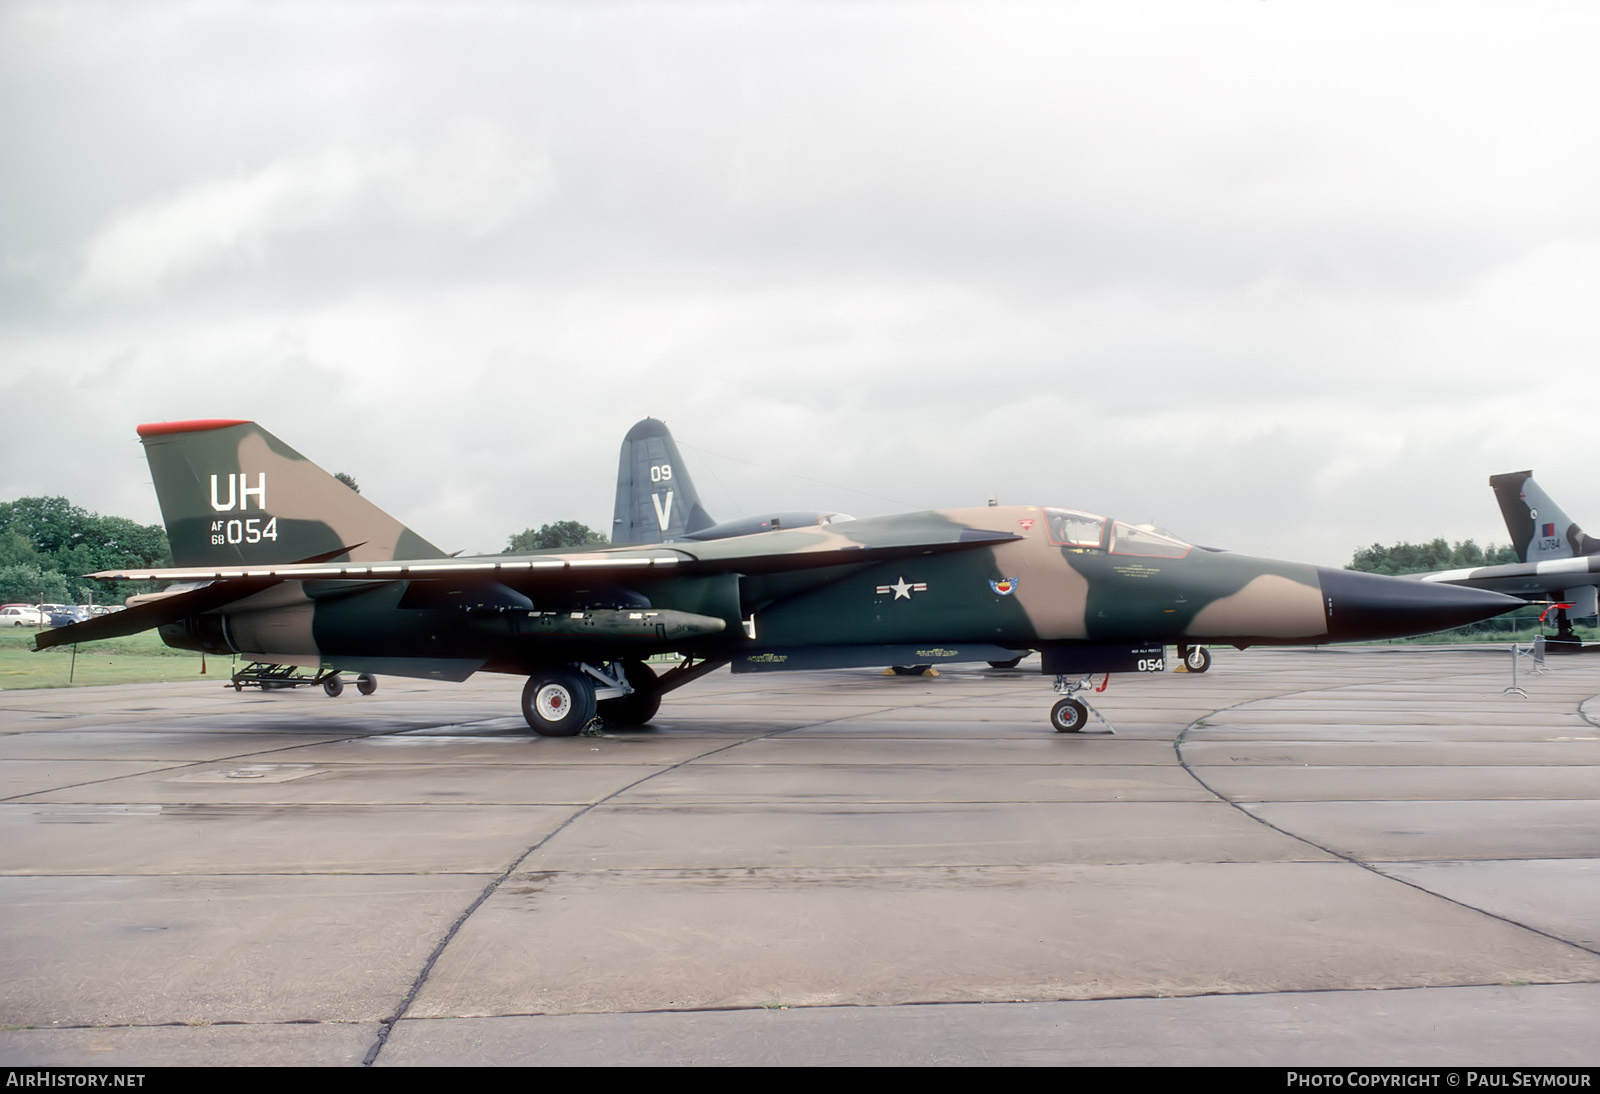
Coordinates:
1071 714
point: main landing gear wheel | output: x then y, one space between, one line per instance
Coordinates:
558 702
366 684
1068 716
1011 664
639 707
333 686
910 670
1197 659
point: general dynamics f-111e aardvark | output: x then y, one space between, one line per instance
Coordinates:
282 563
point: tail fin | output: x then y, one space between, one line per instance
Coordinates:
656 500
232 493
1539 530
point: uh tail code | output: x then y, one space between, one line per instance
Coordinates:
244 529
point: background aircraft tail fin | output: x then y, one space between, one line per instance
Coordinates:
232 493
1539 529
656 500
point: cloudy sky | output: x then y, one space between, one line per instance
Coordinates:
1284 276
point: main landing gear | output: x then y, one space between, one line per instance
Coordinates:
1194 658
558 702
565 700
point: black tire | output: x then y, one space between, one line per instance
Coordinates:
910 670
1198 659
1011 664
641 706
366 684
558 702
1068 716
334 686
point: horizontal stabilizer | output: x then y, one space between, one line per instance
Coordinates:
152 613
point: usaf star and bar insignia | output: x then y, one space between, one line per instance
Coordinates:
903 589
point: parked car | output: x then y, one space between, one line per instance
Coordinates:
67 613
20 615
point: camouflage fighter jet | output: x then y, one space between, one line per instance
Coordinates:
1559 561
283 563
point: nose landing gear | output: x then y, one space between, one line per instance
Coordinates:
1070 715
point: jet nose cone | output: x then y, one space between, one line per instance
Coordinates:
1366 606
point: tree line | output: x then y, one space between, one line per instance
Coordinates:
550 537
48 544
1419 558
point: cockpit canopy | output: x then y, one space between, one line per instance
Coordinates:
1087 532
